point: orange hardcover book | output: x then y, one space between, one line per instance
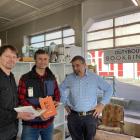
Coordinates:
47 104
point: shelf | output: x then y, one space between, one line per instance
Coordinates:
56 63
22 62
58 124
65 122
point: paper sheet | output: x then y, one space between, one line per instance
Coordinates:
29 109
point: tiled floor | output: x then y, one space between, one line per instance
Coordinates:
69 138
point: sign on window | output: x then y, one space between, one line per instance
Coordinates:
122 55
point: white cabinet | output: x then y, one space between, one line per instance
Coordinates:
59 122
21 68
60 70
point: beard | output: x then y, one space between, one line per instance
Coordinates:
76 72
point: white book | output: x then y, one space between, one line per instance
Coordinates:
29 109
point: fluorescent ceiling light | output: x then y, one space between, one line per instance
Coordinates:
135 2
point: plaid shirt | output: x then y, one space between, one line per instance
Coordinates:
22 98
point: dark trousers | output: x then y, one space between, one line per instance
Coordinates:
9 132
82 127
14 138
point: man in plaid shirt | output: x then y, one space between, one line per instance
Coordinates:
38 83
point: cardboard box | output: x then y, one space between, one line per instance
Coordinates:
27 59
105 135
133 129
57 135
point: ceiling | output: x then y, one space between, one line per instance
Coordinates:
17 12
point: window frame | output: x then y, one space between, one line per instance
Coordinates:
53 31
114 27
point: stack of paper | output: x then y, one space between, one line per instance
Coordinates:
29 109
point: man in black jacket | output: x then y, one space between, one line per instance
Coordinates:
8 95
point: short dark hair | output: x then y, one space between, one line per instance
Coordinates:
78 57
5 47
38 52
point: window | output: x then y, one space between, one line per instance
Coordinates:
64 35
117 32
36 39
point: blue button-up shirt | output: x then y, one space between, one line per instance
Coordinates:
80 93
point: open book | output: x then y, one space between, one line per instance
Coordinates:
29 109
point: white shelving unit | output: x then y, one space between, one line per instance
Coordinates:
60 70
21 68
59 120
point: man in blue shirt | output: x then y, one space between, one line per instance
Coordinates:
79 95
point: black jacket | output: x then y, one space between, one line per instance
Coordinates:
8 100
31 80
